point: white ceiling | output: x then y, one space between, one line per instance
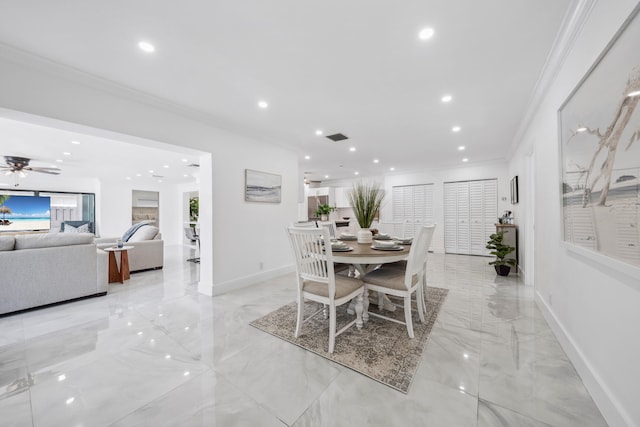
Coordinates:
355 67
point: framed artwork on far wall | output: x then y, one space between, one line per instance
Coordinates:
262 187
599 135
514 190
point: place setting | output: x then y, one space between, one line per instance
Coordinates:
347 237
386 245
338 246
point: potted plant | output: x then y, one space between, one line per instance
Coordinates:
323 211
500 250
365 200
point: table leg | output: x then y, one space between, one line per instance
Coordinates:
386 302
114 273
124 266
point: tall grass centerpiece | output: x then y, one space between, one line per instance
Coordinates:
365 200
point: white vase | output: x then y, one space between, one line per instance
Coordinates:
324 218
364 236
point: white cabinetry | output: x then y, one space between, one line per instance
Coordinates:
470 212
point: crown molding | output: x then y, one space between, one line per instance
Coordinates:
574 20
47 66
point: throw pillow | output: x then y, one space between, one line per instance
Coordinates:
148 232
84 228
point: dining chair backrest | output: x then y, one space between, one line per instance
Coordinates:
418 253
330 225
304 224
313 262
392 228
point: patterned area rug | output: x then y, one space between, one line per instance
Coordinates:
382 350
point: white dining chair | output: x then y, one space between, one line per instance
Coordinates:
330 225
403 282
317 281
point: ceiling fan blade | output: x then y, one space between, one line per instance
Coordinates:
52 171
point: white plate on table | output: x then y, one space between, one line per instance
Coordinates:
376 237
346 239
344 249
403 242
387 248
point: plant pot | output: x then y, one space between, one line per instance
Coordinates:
502 270
324 218
364 236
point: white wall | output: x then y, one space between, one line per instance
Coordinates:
241 243
593 309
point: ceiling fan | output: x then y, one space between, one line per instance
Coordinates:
19 165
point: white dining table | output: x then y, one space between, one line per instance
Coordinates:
364 257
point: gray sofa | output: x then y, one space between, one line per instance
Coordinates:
148 248
41 269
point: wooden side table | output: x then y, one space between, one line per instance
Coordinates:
122 274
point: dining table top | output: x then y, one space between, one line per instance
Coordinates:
363 253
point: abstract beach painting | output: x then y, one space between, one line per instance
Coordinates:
262 187
600 152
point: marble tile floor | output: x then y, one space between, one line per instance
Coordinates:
154 352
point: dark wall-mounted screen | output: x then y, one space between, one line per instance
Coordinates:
25 213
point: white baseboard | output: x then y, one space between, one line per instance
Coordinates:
611 409
252 279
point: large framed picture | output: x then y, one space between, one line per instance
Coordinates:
262 187
599 126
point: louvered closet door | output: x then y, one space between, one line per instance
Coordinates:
412 207
470 212
464 238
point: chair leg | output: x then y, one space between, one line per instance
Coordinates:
407 315
332 328
300 315
420 302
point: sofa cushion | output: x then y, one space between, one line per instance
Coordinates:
147 232
84 228
7 243
33 241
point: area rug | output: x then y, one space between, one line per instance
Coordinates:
381 350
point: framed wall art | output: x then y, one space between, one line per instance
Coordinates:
599 127
514 190
262 187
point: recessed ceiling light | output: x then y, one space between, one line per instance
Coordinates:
456 129
392 169
166 166
461 148
635 93
59 160
352 149
263 104
376 161
326 176
128 178
138 174
185 175
150 170
307 157
356 173
426 33
318 132
447 98
581 129
66 153
70 400
465 160
75 142
147 47
185 160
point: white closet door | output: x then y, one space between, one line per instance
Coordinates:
412 207
450 217
470 213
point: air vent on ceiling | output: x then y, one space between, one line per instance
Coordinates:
193 165
337 137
